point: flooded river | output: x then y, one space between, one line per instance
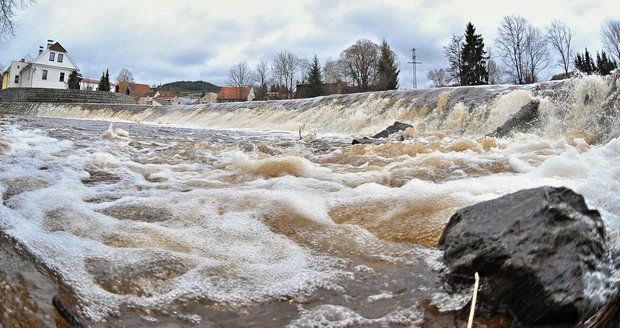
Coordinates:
134 222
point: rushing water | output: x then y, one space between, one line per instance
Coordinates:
204 223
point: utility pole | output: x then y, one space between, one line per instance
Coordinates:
414 62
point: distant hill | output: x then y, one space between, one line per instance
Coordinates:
189 87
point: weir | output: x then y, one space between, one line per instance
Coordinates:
588 105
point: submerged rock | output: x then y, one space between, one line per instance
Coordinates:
396 127
376 139
523 120
541 254
366 140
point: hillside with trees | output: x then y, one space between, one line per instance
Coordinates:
189 87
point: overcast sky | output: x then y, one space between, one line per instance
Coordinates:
163 41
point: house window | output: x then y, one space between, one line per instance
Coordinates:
62 77
44 76
52 56
60 58
16 78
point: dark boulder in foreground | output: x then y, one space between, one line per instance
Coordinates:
396 127
521 121
541 254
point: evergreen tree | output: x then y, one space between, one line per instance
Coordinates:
387 68
590 67
604 65
585 63
579 62
107 80
101 86
314 78
74 81
473 60
104 82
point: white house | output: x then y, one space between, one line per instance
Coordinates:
88 84
50 69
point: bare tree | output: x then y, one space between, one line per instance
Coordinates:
611 38
285 67
559 36
261 77
495 74
536 54
239 77
438 77
304 67
333 71
453 52
125 76
360 63
512 33
7 14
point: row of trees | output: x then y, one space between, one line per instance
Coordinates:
124 76
363 66
603 65
525 51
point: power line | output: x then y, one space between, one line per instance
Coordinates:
414 62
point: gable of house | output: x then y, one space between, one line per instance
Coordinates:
233 94
55 55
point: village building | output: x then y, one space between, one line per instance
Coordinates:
49 69
210 97
136 90
88 84
181 101
157 98
233 94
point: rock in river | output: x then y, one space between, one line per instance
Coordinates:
396 127
521 121
541 254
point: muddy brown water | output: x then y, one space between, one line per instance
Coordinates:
147 225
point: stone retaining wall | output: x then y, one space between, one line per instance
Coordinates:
63 96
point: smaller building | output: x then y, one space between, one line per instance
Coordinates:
88 84
210 97
181 101
234 94
136 90
158 98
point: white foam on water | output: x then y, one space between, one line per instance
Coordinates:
123 224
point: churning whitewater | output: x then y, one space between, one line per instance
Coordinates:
217 213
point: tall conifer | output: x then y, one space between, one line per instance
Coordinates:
387 68
314 78
473 60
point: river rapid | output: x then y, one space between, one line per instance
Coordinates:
221 215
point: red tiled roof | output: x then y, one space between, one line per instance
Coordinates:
139 90
57 47
232 93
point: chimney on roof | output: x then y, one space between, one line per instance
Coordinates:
40 49
49 43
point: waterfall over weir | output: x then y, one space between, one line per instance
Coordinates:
588 106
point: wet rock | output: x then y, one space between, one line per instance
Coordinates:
366 140
396 127
375 140
70 316
541 254
523 120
